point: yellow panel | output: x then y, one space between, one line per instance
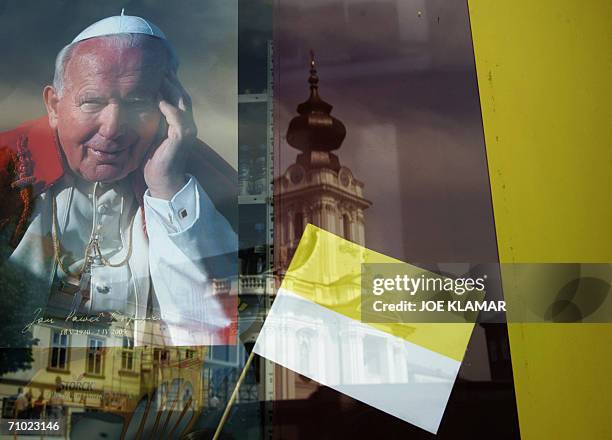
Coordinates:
544 78
326 269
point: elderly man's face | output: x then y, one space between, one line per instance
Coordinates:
108 116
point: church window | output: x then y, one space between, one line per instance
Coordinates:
372 354
346 227
298 223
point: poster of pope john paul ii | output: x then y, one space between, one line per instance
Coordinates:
117 172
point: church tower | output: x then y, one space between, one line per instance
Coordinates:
316 188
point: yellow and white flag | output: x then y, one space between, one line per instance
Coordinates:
314 329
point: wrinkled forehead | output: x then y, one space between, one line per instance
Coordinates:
117 56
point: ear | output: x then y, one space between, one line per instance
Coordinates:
51 99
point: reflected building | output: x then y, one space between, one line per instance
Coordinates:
89 373
316 189
319 190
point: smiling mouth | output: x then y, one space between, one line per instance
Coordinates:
107 155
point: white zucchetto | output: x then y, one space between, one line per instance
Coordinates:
120 24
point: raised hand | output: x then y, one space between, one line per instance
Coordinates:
164 166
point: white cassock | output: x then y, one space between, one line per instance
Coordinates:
165 276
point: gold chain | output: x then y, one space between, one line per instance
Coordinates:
93 244
105 260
